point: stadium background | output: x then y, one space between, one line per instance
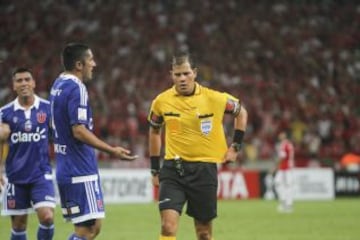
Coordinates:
294 64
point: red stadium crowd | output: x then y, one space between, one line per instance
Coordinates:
294 65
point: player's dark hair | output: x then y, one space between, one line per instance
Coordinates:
72 53
21 70
182 57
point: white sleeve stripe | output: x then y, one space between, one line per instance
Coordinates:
83 91
83 95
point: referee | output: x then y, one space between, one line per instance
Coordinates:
192 117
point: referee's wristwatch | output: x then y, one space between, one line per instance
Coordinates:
154 172
236 146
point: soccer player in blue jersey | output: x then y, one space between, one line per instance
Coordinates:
28 170
77 171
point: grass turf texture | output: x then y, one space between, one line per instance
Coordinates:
245 219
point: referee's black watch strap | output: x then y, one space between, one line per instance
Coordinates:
154 172
237 139
155 165
236 146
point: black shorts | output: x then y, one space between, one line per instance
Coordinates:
197 187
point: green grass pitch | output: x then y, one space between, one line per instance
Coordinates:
237 220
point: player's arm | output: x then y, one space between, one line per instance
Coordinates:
240 121
1 166
4 132
77 111
82 134
4 135
2 182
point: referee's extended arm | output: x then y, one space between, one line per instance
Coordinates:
240 122
154 150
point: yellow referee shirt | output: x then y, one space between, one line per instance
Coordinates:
193 124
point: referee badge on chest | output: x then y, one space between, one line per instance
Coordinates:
206 126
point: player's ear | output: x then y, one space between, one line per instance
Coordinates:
13 85
195 71
78 65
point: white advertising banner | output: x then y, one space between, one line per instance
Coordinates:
126 185
122 186
313 184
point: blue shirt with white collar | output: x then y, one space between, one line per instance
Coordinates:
70 106
28 158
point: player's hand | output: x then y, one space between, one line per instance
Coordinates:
4 131
2 182
123 154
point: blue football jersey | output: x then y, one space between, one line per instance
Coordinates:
69 106
28 157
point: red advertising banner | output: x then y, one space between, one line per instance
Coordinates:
238 184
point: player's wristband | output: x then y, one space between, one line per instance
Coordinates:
155 165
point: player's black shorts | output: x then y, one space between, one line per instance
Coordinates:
197 187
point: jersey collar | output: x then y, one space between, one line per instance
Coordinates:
197 90
36 104
70 76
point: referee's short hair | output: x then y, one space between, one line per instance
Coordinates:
181 57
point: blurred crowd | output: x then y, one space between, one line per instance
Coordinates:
294 64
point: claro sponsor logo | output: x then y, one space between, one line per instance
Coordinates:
19 136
